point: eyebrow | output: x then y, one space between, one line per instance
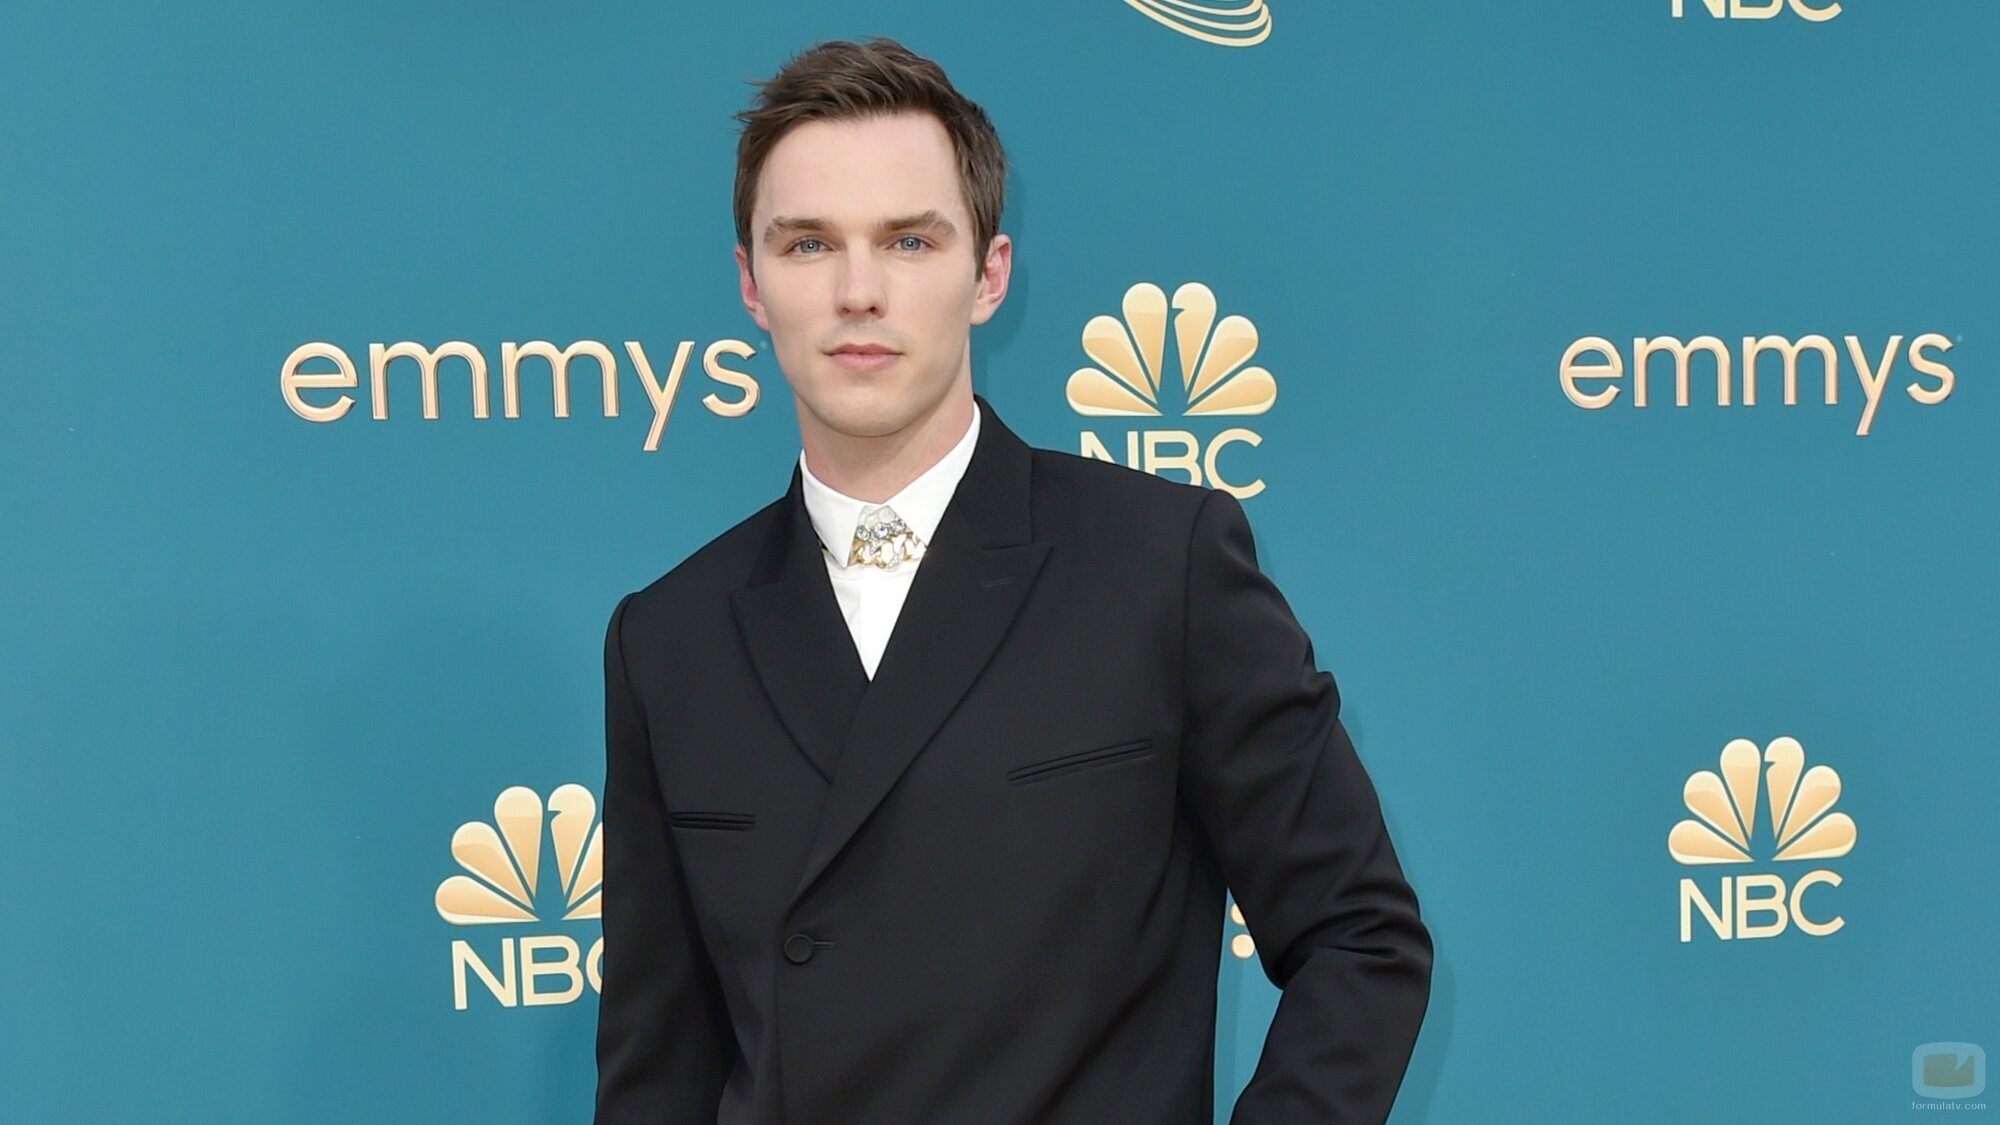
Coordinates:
931 220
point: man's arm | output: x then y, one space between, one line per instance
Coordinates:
1298 831
664 1042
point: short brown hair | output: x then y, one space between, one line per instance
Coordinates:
840 80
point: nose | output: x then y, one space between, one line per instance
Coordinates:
860 291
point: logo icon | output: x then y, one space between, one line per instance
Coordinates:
507 882
1724 830
1227 23
1130 379
504 859
1801 827
1948 1070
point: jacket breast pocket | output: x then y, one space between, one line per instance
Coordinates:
1066 764
713 821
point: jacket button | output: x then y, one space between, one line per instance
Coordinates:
798 949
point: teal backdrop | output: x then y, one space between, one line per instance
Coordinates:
261 668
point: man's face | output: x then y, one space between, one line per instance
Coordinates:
865 272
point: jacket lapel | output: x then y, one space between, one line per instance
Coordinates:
797 640
973 580
860 735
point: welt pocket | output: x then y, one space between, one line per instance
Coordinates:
1081 760
722 821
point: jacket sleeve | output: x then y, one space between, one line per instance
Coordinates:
1298 831
664 1040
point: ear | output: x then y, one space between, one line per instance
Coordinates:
993 282
746 285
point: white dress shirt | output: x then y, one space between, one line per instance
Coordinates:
871 598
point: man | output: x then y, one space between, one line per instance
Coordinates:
925 782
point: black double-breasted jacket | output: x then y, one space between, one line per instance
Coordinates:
987 886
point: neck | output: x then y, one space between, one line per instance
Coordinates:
875 468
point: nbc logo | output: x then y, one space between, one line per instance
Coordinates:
1724 831
1228 23
1761 9
1129 381
507 884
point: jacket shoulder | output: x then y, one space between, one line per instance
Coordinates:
1105 492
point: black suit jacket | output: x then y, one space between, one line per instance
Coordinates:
988 886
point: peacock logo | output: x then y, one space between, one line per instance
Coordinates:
1801 826
1226 23
506 882
504 859
1131 354
1798 804
1212 377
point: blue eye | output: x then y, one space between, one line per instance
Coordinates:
905 243
800 244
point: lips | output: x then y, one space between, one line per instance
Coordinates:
864 357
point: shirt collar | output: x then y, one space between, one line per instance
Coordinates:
921 503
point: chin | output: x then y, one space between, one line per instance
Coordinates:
862 408
865 411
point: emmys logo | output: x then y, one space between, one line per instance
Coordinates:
1129 381
659 390
1591 367
1768 9
1801 828
507 884
1226 23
